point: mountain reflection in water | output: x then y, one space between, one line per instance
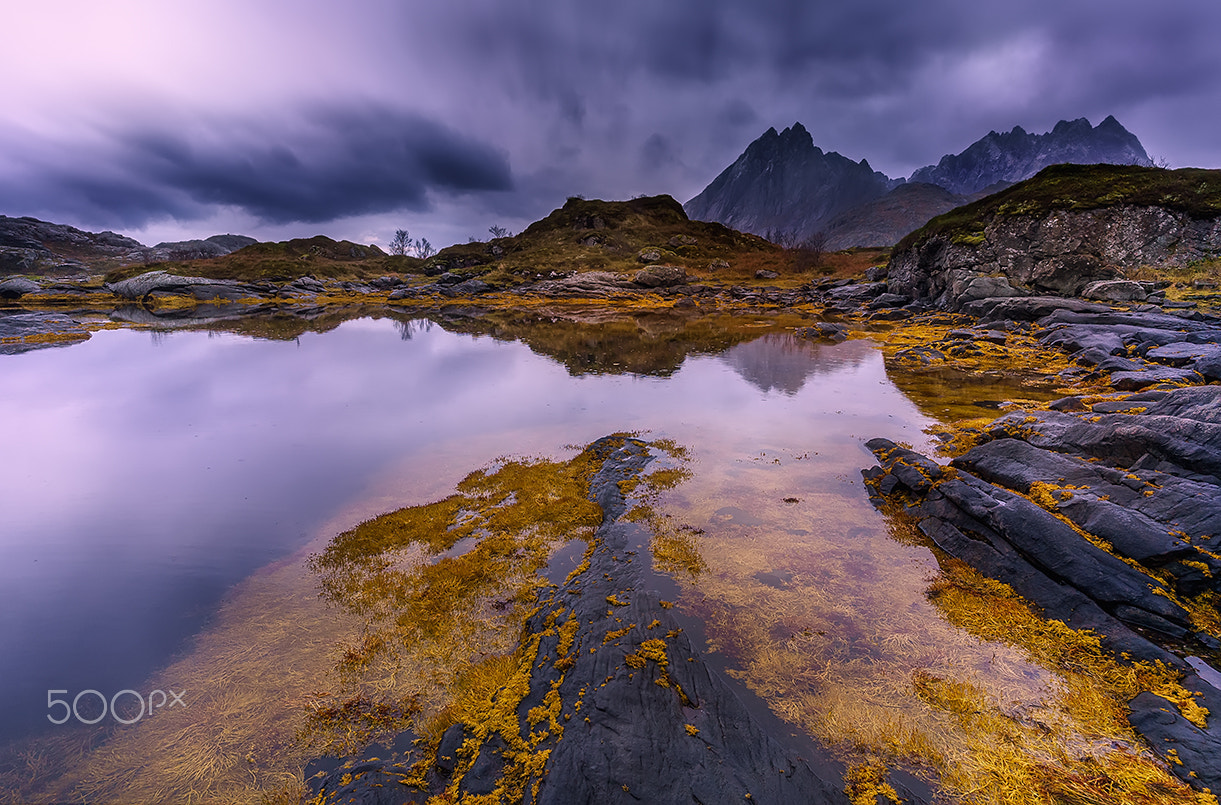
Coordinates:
783 362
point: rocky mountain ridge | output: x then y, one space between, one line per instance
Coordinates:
784 184
1018 155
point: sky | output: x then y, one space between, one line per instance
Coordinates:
276 119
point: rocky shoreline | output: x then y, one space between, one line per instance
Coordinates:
1104 510
1106 515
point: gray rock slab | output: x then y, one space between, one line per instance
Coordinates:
1198 751
17 287
1105 501
1009 521
1182 353
1116 291
15 328
1027 308
1192 446
142 285
589 283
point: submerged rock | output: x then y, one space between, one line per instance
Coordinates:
26 331
619 707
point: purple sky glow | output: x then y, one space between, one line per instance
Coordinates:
167 121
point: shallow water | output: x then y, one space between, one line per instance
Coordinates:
147 474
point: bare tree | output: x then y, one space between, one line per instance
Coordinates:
423 249
400 242
811 250
785 239
815 245
498 231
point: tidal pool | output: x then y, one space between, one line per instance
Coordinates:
162 492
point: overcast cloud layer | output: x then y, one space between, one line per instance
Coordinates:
285 119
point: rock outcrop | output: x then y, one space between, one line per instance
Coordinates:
17 287
1063 232
619 707
160 282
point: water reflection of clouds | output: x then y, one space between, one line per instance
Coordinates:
142 480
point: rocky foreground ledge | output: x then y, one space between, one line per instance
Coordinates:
614 704
1106 516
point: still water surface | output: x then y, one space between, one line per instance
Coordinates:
145 474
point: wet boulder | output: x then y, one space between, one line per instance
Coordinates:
824 331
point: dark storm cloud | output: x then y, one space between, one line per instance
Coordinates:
601 99
314 167
657 153
906 82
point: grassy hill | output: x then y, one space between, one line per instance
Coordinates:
610 236
581 236
319 257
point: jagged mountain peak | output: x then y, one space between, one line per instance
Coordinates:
794 139
783 183
1079 126
1018 155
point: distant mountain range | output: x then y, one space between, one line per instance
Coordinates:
784 186
31 246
